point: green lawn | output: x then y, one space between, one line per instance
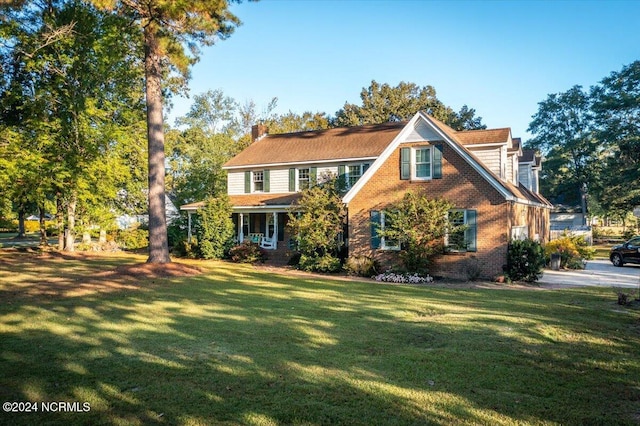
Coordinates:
236 345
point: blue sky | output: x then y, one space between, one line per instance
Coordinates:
500 57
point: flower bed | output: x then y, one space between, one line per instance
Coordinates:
392 277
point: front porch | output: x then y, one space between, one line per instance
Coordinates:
268 229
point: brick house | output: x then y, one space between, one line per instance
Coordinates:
487 175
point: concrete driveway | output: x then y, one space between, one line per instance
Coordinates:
600 273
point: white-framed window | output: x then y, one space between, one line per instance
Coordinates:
464 239
353 172
381 220
303 179
258 181
421 163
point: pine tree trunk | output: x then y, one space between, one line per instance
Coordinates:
60 221
71 220
158 240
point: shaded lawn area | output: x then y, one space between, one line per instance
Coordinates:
237 345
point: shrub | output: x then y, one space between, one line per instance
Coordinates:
525 260
572 250
215 228
363 266
132 239
326 263
184 248
392 277
247 252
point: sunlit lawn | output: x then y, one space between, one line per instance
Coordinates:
237 345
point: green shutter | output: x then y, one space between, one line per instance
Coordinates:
247 182
471 233
375 226
292 180
266 185
313 176
342 178
405 163
437 162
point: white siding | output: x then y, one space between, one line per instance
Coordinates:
279 180
490 157
235 183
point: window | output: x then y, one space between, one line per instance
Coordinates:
349 175
258 181
422 161
303 179
379 222
464 239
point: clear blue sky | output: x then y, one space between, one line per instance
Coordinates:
500 57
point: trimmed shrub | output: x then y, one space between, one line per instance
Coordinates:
525 260
215 228
247 252
363 266
326 263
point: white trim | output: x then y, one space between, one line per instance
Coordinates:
373 168
294 163
458 148
413 163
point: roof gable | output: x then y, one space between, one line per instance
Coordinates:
440 131
318 146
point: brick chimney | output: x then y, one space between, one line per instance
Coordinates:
257 132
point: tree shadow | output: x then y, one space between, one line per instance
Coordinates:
234 348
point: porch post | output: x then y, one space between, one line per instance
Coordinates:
241 225
275 228
189 226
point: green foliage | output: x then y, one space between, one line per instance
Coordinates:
184 248
364 266
616 103
319 263
247 252
572 250
317 221
214 228
525 260
382 103
419 225
132 239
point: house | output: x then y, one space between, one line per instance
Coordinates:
479 171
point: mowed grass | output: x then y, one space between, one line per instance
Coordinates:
241 346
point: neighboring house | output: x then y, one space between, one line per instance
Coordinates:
476 170
126 221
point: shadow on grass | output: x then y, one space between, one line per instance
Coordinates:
239 346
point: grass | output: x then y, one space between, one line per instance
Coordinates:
240 346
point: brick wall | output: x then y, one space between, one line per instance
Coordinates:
461 185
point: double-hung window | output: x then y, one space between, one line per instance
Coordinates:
303 179
258 181
350 174
464 238
422 163
380 221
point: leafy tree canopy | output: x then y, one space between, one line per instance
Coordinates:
382 103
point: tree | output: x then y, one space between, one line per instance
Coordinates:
292 122
317 220
564 130
616 103
383 103
167 28
418 225
215 227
